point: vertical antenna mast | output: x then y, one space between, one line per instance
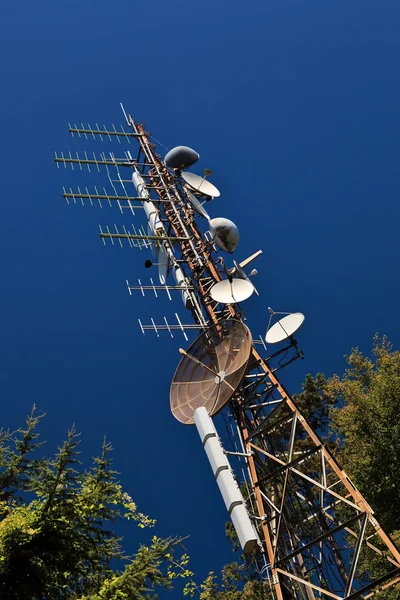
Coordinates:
310 523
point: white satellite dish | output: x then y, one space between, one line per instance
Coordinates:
284 328
200 184
197 205
231 292
241 273
162 261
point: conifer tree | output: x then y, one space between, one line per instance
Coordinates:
57 538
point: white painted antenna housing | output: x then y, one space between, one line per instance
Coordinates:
155 223
228 487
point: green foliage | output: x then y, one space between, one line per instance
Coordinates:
358 416
145 573
56 527
237 582
315 405
367 422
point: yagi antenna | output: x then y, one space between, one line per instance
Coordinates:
170 327
156 288
96 197
110 133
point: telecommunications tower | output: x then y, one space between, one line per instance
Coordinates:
311 532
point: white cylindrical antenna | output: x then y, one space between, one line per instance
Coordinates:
156 225
151 211
228 487
180 280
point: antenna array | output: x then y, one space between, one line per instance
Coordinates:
302 510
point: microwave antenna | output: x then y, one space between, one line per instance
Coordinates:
305 522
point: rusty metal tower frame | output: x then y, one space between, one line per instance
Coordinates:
318 535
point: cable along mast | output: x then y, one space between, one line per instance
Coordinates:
311 532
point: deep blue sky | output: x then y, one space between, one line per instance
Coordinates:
295 107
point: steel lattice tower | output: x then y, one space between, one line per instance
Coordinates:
318 535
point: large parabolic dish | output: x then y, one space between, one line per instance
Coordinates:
211 370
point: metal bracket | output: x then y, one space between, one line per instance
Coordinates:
246 454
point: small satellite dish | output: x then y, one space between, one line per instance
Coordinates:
197 205
241 273
181 157
224 233
231 292
284 328
200 184
211 370
163 265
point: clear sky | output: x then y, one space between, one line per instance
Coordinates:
295 107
